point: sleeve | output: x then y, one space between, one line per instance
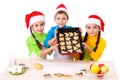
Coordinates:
101 46
32 47
50 35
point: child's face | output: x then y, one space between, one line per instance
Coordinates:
61 19
38 27
92 29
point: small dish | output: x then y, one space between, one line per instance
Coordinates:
16 70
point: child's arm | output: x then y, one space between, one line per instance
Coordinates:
50 35
87 48
52 41
44 52
96 55
32 47
101 46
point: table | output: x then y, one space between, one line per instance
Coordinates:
57 66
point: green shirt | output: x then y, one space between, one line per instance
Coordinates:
31 43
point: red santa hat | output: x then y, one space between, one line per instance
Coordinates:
61 7
97 20
33 17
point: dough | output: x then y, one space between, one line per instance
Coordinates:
69 47
68 76
75 37
62 47
71 34
62 43
61 38
66 34
38 66
60 35
58 74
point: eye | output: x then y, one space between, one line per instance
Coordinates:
64 19
58 18
36 25
42 24
95 27
88 27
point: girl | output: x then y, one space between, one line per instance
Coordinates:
61 18
36 22
93 43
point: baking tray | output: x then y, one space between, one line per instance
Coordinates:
70 41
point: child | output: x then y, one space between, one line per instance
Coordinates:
35 21
61 18
94 44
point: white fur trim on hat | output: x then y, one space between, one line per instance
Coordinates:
36 18
60 9
93 20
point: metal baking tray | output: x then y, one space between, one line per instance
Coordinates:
69 40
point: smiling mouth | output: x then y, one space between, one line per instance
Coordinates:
91 33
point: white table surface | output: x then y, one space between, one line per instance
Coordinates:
55 66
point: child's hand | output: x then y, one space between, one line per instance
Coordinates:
86 47
53 41
56 31
54 47
80 29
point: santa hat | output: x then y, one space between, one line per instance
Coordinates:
61 7
97 20
33 17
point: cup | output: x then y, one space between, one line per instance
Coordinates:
12 59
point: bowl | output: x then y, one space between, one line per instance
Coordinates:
17 69
100 75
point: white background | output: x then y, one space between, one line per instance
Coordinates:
13 32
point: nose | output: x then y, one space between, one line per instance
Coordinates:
40 27
92 30
61 21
